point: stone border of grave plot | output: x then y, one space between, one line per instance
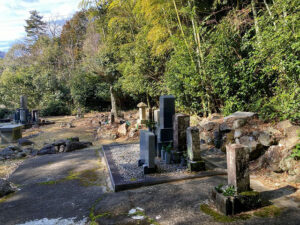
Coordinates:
119 184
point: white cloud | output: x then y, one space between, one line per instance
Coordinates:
14 12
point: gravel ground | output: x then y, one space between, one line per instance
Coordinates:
126 159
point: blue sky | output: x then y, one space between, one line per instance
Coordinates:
14 12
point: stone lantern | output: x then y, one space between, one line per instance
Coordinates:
142 112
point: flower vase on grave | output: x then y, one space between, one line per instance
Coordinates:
168 157
163 155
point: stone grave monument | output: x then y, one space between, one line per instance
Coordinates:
10 133
147 151
166 114
195 162
22 115
142 113
181 123
237 196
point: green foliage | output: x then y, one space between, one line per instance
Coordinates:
55 108
4 113
296 152
214 56
89 91
229 191
35 26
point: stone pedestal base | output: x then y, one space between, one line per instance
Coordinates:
148 170
242 202
195 166
10 133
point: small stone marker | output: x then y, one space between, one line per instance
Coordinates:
156 117
181 123
10 133
238 167
195 162
35 116
112 118
142 112
147 151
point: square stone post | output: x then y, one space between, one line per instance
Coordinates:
195 162
180 125
147 151
238 167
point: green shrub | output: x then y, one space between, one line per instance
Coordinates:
4 113
56 108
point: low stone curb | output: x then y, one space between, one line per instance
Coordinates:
119 184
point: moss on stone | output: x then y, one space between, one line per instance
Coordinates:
268 211
220 217
249 193
85 177
6 197
50 182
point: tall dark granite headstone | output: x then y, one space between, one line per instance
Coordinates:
166 114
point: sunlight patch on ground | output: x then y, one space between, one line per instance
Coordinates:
59 221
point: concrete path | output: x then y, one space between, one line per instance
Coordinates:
179 204
71 188
55 187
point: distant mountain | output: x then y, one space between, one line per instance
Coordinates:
2 54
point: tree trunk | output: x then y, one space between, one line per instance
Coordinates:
113 98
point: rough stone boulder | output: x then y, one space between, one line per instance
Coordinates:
68 145
76 145
122 130
266 139
47 149
240 115
256 149
24 142
210 126
6 187
270 160
6 153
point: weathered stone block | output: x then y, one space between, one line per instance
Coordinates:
147 150
10 133
238 167
181 123
193 144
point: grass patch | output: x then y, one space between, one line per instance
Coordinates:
218 217
249 193
50 182
85 177
268 211
94 217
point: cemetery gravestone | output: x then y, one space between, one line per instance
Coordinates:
181 123
166 114
147 151
195 162
238 167
244 198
